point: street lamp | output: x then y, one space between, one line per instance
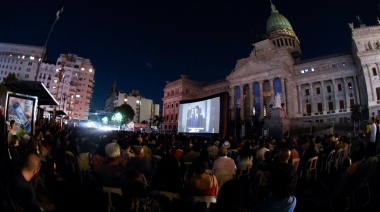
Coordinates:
47 39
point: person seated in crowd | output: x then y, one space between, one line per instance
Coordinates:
224 168
282 182
193 152
309 153
260 154
137 195
21 189
213 150
168 176
359 152
244 159
202 183
113 171
140 163
126 151
231 198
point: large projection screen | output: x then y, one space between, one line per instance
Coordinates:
199 116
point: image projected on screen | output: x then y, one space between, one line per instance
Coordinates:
199 116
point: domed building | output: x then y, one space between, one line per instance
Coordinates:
321 90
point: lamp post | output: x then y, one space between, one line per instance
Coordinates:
46 41
60 74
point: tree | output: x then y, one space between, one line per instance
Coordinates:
3 90
158 120
126 111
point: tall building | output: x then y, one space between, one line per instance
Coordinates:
21 60
317 90
144 109
73 92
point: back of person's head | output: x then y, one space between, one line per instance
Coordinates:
223 151
138 150
12 122
361 136
112 150
136 184
282 181
230 197
284 155
32 163
200 165
13 140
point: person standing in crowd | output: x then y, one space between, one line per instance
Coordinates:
13 129
371 148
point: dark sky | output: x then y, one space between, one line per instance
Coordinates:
143 43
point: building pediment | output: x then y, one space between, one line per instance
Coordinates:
253 67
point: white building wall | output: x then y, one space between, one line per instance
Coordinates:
146 110
22 60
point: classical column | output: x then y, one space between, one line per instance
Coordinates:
284 94
271 87
323 97
346 93
370 83
242 102
299 97
251 98
311 98
336 103
261 98
232 103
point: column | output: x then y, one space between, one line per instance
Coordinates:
261 99
284 95
299 97
323 97
242 102
271 87
346 93
251 98
334 95
232 103
370 83
311 98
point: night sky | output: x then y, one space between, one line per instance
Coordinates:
144 43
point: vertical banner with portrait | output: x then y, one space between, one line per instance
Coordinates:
21 108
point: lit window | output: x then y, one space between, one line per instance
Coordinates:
55 81
90 70
31 57
302 71
77 95
23 57
82 69
306 70
312 69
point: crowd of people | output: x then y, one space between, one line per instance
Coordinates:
149 166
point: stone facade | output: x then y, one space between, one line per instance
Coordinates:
319 90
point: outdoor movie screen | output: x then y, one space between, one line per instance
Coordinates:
199 116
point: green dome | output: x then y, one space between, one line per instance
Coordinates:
277 21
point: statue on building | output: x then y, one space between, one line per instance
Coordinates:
277 101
